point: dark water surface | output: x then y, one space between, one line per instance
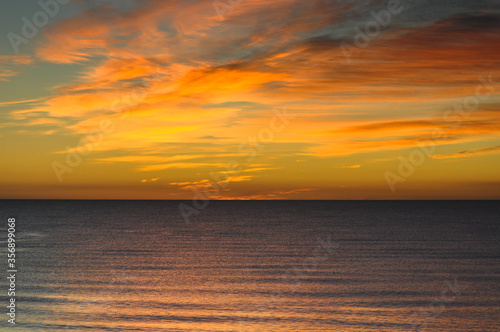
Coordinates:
254 266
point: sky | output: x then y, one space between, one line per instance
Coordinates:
250 99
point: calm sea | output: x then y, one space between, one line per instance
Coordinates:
254 266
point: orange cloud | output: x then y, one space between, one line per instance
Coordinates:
172 77
274 195
465 154
162 167
9 61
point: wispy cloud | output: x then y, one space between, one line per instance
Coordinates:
9 65
273 195
18 102
465 154
184 89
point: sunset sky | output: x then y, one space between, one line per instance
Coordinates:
331 99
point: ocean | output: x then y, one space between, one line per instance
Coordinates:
253 266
